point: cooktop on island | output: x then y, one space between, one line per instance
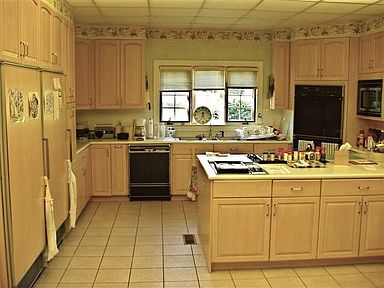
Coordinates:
236 167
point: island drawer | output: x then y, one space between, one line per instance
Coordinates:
336 187
294 188
239 189
187 148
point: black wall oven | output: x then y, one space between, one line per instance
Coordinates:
318 113
370 97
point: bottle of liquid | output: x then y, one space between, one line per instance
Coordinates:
117 129
360 139
150 129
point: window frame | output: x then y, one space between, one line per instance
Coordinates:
226 104
189 106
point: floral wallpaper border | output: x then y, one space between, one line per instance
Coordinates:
318 31
62 7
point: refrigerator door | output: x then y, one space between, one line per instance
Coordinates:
54 134
25 188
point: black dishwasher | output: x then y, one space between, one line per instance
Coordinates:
149 172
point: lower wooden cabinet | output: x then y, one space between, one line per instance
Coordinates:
181 173
242 228
81 169
294 228
109 170
237 148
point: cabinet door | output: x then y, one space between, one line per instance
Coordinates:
45 36
107 74
249 218
372 226
132 74
378 52
71 130
9 20
334 59
339 238
84 70
280 56
306 59
119 173
294 228
71 62
30 22
101 170
365 54
79 169
181 171
57 41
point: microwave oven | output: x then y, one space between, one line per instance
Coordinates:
370 98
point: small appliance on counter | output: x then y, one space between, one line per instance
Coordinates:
104 131
82 131
139 130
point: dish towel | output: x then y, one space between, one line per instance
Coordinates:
50 223
192 192
72 195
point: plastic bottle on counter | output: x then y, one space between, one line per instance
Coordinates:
117 129
162 130
360 139
150 128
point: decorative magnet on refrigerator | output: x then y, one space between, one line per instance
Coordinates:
48 102
34 105
16 105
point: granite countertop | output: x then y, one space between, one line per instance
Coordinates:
283 171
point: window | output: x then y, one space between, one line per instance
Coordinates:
229 92
175 94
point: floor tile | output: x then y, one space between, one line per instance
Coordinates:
180 274
183 284
203 274
353 281
279 273
98 232
112 275
147 262
121 240
115 262
286 282
200 261
177 250
173 240
148 240
179 261
146 285
311 271
46 285
322 281
247 274
247 283
149 250
197 250
146 275
341 269
59 262
71 240
85 263
51 276
123 231
374 267
101 224
75 285
216 284
90 251
79 276
67 250
77 232
94 241
169 231
377 278
149 231
118 251
110 285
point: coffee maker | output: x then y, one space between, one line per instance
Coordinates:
139 129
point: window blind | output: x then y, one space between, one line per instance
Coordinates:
175 79
242 78
209 79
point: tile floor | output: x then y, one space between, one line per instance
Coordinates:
140 244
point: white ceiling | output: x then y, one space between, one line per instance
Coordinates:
224 14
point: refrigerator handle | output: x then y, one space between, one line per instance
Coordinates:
47 169
69 131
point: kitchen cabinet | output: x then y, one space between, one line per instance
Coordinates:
51 39
82 172
248 217
280 58
320 59
119 74
109 170
295 216
348 199
371 49
233 148
19 21
181 164
271 147
71 130
69 60
84 71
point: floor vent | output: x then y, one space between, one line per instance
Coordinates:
189 239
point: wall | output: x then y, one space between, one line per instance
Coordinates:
190 50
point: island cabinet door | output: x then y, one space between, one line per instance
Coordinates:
240 229
294 228
372 226
339 227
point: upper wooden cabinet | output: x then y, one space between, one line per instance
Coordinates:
101 170
320 59
85 73
119 74
371 53
19 38
51 39
280 56
69 60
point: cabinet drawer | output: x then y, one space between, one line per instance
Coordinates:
352 187
261 188
233 148
187 149
288 188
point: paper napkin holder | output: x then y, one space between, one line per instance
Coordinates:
341 157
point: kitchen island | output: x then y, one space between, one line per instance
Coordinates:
291 216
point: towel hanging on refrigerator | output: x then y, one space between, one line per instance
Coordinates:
50 223
192 192
72 195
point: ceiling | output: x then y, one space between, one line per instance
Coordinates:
224 14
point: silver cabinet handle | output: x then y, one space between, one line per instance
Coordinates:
297 188
47 168
365 207
363 187
360 207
